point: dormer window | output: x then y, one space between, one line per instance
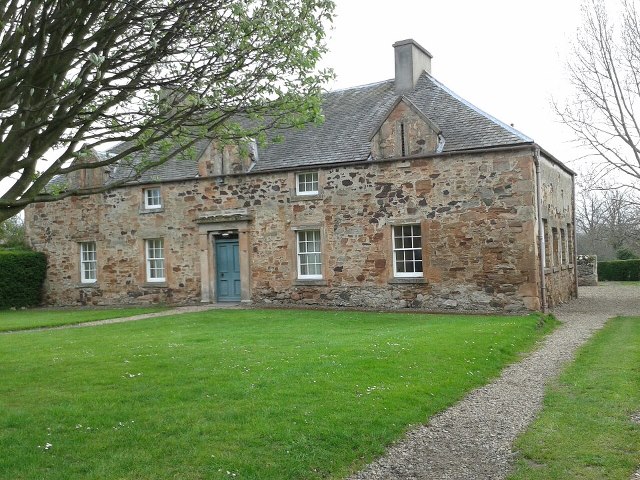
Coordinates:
152 198
307 183
405 131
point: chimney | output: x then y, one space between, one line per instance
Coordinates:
411 61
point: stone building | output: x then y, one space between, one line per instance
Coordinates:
406 196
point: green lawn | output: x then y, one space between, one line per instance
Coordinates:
585 430
28 319
238 394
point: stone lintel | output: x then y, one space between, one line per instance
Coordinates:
224 216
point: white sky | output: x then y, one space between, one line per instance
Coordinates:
507 57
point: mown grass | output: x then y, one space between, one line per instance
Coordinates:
585 430
238 394
38 318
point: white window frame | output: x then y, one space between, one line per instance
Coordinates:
154 255
305 183
404 249
88 262
151 196
303 253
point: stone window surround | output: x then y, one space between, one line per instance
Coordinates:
307 179
293 184
557 248
84 281
548 253
208 229
564 246
570 249
558 255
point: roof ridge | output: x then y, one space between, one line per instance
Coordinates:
470 105
358 87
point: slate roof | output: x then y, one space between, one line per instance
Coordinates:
351 116
174 168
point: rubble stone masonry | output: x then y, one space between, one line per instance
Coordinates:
477 213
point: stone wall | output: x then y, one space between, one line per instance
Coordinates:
587 270
477 214
557 215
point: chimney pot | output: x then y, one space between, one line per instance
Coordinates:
411 60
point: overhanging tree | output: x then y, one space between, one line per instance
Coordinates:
604 112
160 75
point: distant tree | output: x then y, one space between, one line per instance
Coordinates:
607 221
12 233
604 71
76 75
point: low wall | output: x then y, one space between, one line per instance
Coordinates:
587 270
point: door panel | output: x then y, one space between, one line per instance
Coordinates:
228 270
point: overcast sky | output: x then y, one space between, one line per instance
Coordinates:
507 57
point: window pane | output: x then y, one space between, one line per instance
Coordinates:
400 262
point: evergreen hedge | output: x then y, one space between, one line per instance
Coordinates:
619 270
21 278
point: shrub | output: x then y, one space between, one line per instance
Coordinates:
21 277
619 270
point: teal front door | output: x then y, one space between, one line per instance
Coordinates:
227 270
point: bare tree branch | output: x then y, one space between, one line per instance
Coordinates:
604 71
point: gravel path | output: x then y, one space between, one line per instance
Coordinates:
473 439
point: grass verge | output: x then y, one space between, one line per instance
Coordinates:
625 283
238 394
38 318
585 430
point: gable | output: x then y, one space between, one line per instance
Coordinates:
404 132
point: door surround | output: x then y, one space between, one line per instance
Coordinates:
209 226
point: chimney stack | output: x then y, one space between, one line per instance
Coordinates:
411 61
